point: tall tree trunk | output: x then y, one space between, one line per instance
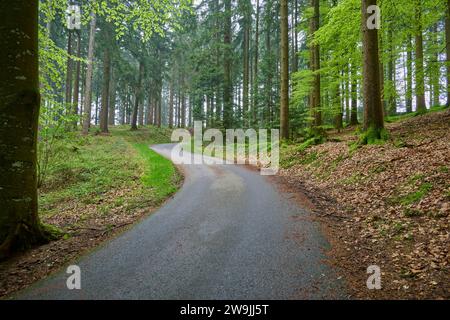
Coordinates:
339 107
159 105
436 70
183 110
178 109
190 112
227 87
409 75
295 38
141 112
137 98
447 41
284 103
105 91
171 105
129 105
89 73
382 82
354 94
208 112
152 110
315 66
420 81
19 112
373 109
97 106
255 92
123 109
69 77
391 73
112 99
347 95
246 54
147 111
80 112
76 88
269 78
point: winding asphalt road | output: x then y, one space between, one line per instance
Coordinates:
227 234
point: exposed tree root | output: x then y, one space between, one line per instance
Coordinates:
23 237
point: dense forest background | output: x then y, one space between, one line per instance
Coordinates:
220 62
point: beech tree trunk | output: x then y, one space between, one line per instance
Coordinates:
420 78
373 109
19 112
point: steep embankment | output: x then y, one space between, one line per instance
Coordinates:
94 187
385 205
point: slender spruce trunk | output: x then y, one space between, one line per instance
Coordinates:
89 73
447 41
246 64
284 103
76 87
69 74
134 117
409 76
105 91
227 87
315 66
112 99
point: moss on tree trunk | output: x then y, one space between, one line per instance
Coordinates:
373 108
19 111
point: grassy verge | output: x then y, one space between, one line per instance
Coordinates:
94 187
101 175
160 174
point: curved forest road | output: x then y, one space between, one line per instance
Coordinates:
227 234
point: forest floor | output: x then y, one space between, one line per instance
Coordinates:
386 205
95 188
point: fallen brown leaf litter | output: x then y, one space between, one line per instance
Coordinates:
385 205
